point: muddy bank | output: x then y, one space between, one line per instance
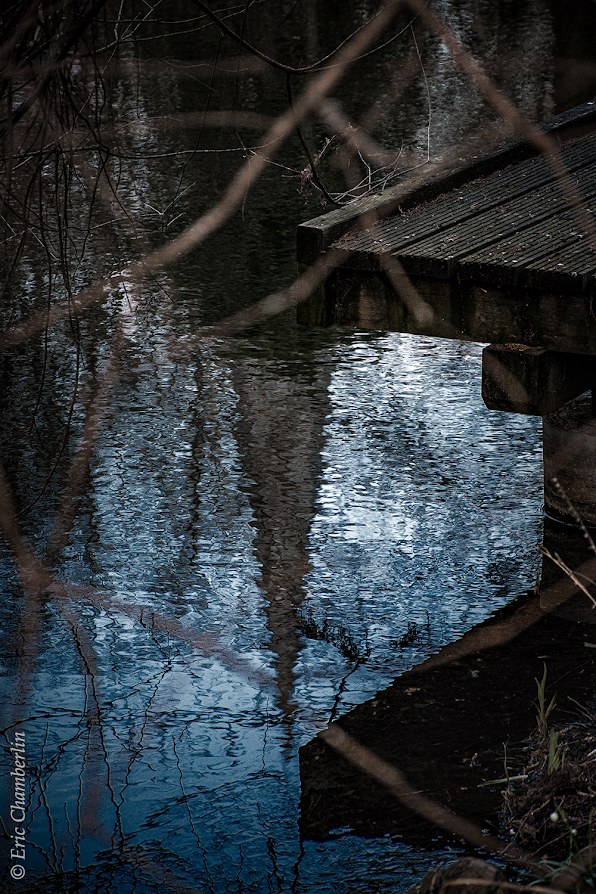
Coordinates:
444 724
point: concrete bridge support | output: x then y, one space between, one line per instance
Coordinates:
554 385
560 388
569 448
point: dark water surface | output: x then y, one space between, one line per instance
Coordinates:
322 509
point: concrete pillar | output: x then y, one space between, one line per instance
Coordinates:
569 446
533 381
567 542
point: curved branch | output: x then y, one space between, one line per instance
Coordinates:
311 160
287 69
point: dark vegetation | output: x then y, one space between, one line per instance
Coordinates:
550 808
336 635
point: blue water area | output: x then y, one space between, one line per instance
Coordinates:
298 574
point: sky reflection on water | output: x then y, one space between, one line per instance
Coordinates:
198 754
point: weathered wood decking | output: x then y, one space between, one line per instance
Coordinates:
493 252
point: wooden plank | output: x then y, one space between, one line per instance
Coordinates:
463 310
496 260
482 222
315 236
474 205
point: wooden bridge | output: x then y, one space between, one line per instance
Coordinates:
491 253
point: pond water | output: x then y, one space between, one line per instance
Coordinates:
309 513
